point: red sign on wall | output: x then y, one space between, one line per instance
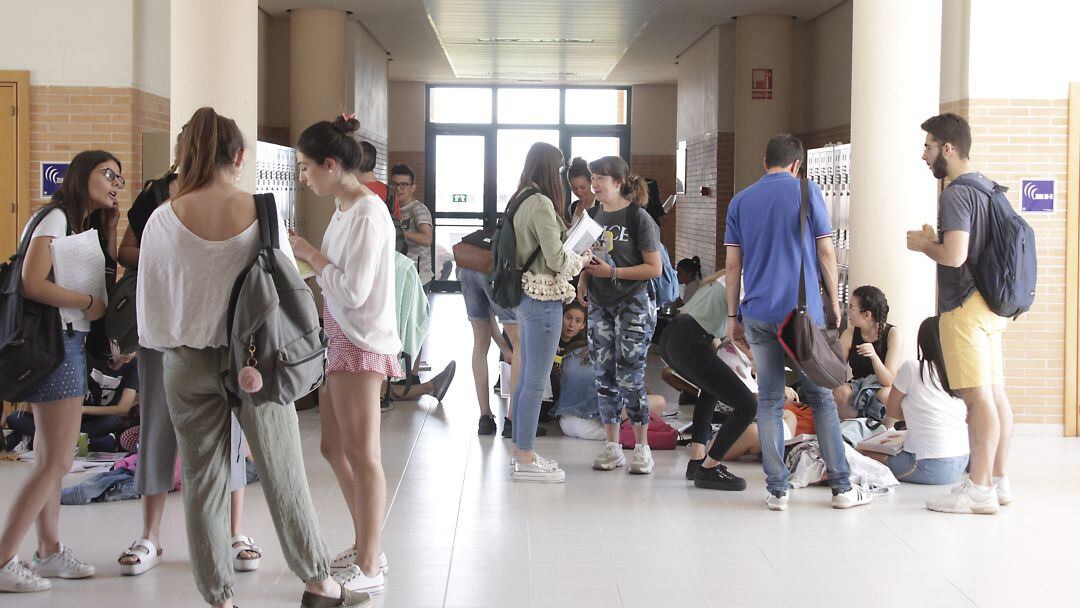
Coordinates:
761 83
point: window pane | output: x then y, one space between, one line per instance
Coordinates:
459 173
592 148
596 107
513 145
528 106
448 232
461 105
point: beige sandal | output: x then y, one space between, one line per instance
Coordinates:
240 544
146 561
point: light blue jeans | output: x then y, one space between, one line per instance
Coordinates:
540 324
769 357
929 471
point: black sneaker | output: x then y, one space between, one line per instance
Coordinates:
718 478
692 467
487 425
508 429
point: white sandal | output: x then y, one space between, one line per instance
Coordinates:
246 543
147 560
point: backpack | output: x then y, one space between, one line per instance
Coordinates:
273 325
664 289
506 276
1008 267
31 342
121 324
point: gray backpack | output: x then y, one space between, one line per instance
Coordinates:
273 323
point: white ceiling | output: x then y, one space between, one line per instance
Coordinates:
569 41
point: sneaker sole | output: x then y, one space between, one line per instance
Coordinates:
640 470
70 577
848 506
956 511
537 478
776 507
726 486
601 467
19 590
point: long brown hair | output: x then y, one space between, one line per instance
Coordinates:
207 143
74 191
632 187
542 165
931 359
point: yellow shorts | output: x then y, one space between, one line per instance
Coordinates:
971 344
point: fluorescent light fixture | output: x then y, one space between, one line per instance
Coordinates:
498 40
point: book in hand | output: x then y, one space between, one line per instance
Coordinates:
582 235
306 270
889 442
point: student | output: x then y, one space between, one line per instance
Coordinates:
87 198
580 179
873 350
154 478
936 447
545 286
688 272
415 221
622 314
112 390
484 317
688 346
367 170
355 270
970 331
194 245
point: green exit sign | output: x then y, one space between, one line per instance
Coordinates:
459 198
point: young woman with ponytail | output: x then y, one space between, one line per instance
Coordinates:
622 314
355 269
872 348
688 271
193 248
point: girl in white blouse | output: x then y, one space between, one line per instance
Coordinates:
193 249
355 270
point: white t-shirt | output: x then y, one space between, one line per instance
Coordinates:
936 422
55 225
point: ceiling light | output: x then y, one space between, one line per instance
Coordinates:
496 40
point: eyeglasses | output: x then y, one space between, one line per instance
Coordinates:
853 307
401 184
112 176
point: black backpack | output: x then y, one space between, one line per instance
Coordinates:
506 276
31 342
121 324
1008 267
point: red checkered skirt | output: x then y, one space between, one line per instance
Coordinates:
344 356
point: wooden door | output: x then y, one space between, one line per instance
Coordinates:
9 228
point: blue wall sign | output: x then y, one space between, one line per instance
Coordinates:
1037 195
52 175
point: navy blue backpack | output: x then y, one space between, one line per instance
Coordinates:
1007 268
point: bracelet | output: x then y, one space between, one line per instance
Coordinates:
91 302
733 316
613 271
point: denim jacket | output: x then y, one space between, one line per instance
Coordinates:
577 396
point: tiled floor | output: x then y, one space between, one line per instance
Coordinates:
460 533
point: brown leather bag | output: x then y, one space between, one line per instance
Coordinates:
811 349
474 252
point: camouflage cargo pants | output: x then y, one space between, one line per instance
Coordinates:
619 338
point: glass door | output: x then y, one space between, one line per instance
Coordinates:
460 204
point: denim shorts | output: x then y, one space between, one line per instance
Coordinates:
68 379
929 471
478 303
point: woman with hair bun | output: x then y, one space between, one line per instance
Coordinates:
872 348
688 271
580 179
622 313
193 249
355 269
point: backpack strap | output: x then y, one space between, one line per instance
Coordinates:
510 213
964 181
269 240
34 221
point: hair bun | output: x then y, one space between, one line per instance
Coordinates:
346 123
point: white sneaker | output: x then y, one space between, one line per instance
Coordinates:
641 463
966 498
610 456
347 558
62 564
540 470
855 496
17 577
1003 489
354 579
777 503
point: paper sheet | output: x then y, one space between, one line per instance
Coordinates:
582 235
305 269
79 265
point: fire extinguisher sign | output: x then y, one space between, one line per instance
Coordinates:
761 83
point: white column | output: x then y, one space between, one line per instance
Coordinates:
316 92
214 61
894 88
762 42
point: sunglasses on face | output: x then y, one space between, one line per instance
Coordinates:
112 176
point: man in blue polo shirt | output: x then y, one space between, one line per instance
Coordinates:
764 247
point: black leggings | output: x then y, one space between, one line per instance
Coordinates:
688 349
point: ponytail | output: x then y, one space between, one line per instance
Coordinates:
207 143
691 265
632 187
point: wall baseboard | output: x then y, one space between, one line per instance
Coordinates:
1039 430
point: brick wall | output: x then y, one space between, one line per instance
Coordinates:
660 167
840 134
709 163
725 190
1027 138
416 162
66 120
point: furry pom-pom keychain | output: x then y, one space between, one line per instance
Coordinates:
249 379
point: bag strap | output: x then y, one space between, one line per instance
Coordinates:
964 181
803 209
34 221
511 212
266 213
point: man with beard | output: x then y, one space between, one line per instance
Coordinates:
970 331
